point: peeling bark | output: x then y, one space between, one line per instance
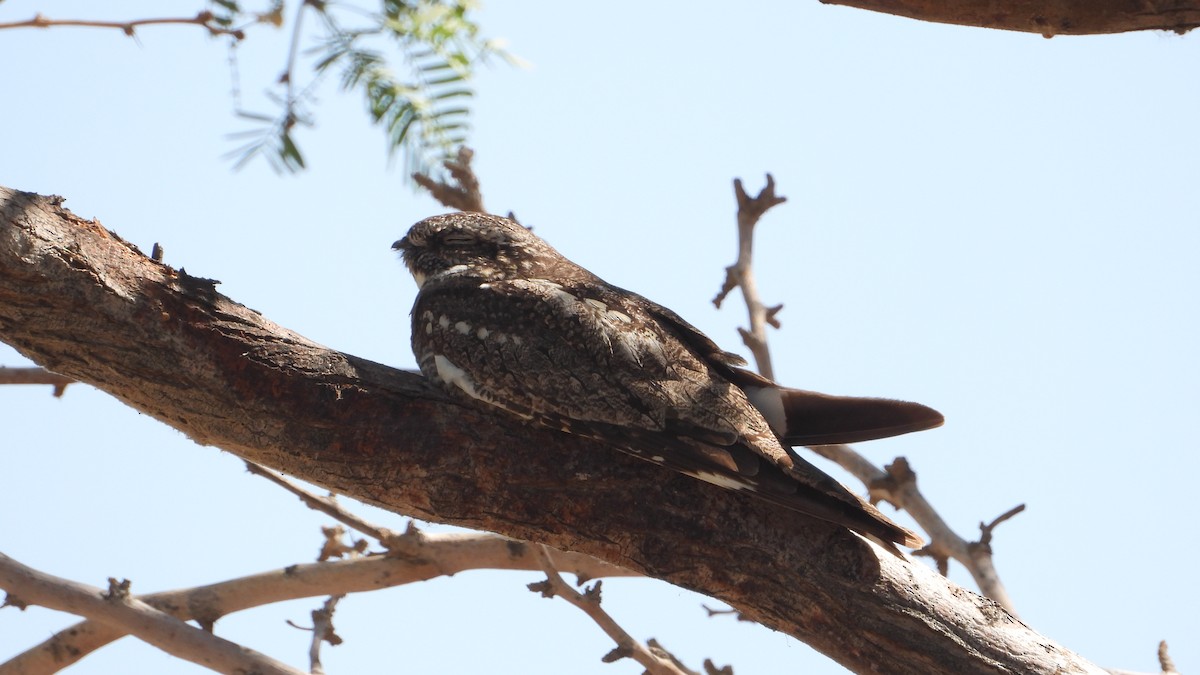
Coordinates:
80 301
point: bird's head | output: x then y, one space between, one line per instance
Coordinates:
475 245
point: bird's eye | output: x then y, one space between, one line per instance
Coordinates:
457 239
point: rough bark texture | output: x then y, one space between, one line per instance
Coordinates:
80 301
1046 17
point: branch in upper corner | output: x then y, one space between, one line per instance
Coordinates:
463 193
35 375
1045 17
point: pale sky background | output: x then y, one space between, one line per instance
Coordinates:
995 224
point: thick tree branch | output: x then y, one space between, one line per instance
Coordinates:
80 301
1046 17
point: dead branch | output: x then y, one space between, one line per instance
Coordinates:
1165 663
741 273
205 19
327 505
1045 17
323 632
35 376
898 486
115 608
413 561
463 192
167 344
589 603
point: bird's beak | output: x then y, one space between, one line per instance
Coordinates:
401 244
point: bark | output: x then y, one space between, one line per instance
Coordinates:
80 301
1046 17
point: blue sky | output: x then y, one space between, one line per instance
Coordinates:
995 224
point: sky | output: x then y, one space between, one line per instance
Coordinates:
995 224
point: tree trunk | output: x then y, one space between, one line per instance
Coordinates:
82 302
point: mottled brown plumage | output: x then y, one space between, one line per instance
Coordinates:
505 320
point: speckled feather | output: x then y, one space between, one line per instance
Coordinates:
506 321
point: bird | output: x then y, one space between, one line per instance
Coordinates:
504 321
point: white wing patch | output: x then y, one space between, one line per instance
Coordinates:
720 481
769 402
453 375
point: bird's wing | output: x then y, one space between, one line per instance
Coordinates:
583 351
594 360
800 417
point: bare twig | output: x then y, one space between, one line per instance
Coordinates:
1164 659
985 530
204 19
130 615
327 505
1164 662
589 602
439 555
709 667
741 273
723 612
322 632
334 548
898 485
35 375
463 194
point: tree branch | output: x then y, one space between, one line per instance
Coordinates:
80 301
899 485
414 559
204 19
115 608
1046 17
741 273
589 603
35 376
